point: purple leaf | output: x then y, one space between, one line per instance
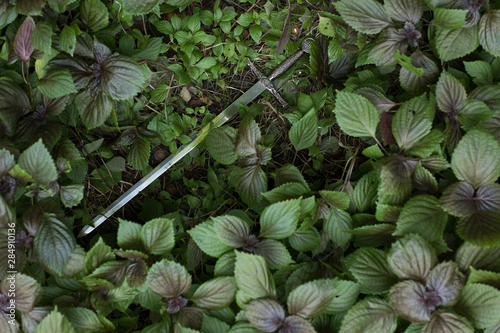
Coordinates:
22 44
286 32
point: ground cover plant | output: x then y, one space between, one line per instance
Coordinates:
370 204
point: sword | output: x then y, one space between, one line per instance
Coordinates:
264 83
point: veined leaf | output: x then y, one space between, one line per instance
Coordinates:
488 198
345 295
22 43
418 84
489 32
389 43
206 238
480 304
94 14
412 258
265 314
30 7
27 294
356 115
213 325
424 180
336 226
427 145
275 253
253 277
158 236
248 137
476 159
369 266
446 281
470 255
458 199
367 16
231 230
303 133
221 144
168 279
54 243
473 113
305 240
99 254
94 110
56 83
310 299
450 93
138 156
285 192
251 182
449 18
67 39
84 320
406 62
422 215
122 77
336 199
480 72
484 277
216 293
408 299
297 324
456 43
447 322
395 181
55 322
289 173
365 191
129 235
11 109
71 195
405 10
370 315
480 228
280 220
409 126
140 7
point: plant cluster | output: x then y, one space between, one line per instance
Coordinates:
370 204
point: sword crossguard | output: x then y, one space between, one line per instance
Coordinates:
282 68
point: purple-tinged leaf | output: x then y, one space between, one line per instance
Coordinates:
94 110
30 7
458 199
296 324
404 10
470 255
370 315
265 314
445 281
412 258
418 84
22 43
488 198
450 93
489 32
168 279
447 322
285 37
480 228
412 302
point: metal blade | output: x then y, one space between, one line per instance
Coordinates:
218 121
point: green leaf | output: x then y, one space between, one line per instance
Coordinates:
406 62
94 14
139 153
296 324
484 277
67 39
256 32
225 264
412 258
458 199
473 113
345 295
158 236
409 127
489 32
480 228
71 195
366 16
54 243
168 279
369 266
253 277
408 301
422 215
480 72
206 238
389 42
414 83
140 7
7 162
148 51
206 63
84 320
289 173
446 322
122 77
404 11
336 199
488 94
56 83
305 240
449 18
356 115
476 159
94 110
369 315
365 191
470 255
26 293
11 109
251 181
336 225
325 26
310 299
456 43
427 145
231 230
41 37
450 93
248 137
275 253
129 235
488 198
216 293
424 180
285 192
395 185
99 254
38 163
265 314
480 304
280 220
221 144
55 322
30 7
303 133
213 325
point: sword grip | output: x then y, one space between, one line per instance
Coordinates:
289 62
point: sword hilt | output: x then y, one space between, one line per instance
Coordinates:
282 68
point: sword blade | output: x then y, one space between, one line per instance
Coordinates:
196 139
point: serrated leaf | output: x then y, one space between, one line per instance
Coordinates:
356 115
458 199
41 37
285 192
395 184
122 77
413 83
480 71
129 235
476 159
275 253
206 238
470 255
251 182
225 264
480 304
140 7
253 277
325 26
427 145
412 258
99 254
289 173
445 281
55 322
409 126
22 42
248 137
336 225
213 325
71 195
473 113
489 32
54 243
365 191
408 301
56 83
367 16
345 295
303 133
369 315
450 93
94 110
488 198
221 144
374 235
336 199
67 39
480 228
310 299
456 43
447 322
404 11
488 94
84 320
94 14
231 230
168 279
305 240
389 43
369 266
138 156
265 314
158 236
422 215
38 163
449 18
296 324
216 293
484 277
280 220
26 293
255 33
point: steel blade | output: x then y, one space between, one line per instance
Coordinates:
218 121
